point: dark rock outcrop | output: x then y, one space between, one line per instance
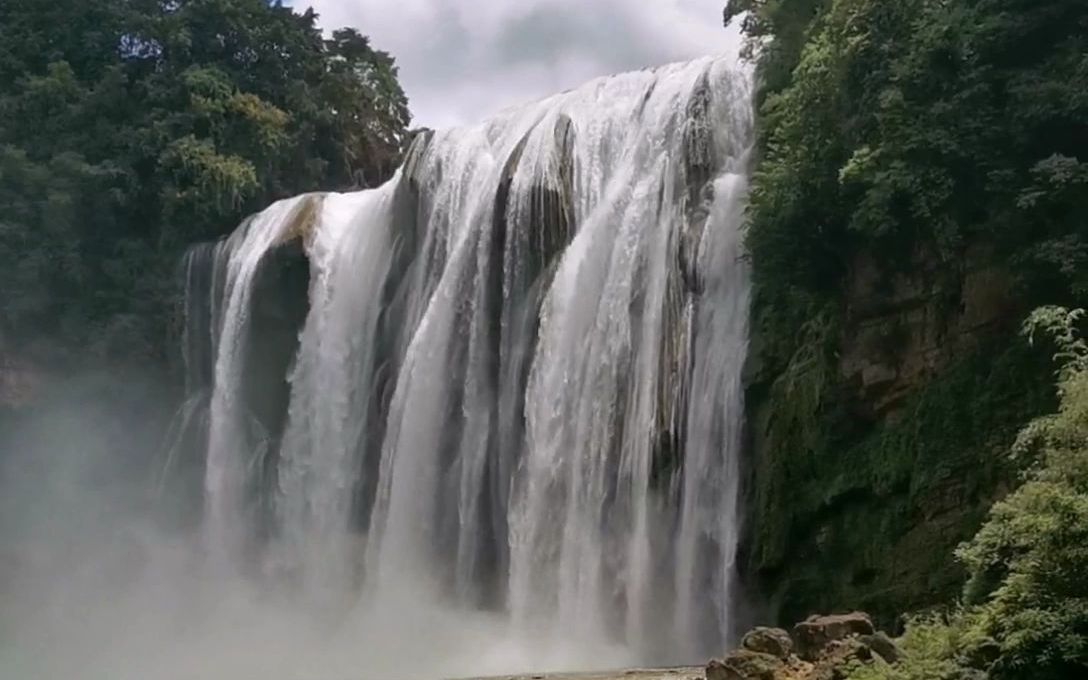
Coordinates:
829 648
877 449
745 664
905 328
883 645
815 633
773 641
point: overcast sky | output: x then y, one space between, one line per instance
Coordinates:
461 60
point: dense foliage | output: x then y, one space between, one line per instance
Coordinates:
1026 603
918 137
917 124
132 128
924 140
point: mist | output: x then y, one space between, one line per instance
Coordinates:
98 581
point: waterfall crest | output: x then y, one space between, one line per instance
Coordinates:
514 383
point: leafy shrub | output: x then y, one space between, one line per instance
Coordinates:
1026 615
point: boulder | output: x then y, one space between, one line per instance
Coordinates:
744 664
814 634
773 641
828 648
882 645
839 658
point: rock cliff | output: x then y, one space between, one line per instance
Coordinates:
880 449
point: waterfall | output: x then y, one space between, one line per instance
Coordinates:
515 386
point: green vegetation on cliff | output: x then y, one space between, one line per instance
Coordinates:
922 184
131 129
1025 613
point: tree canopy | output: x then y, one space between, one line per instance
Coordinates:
132 128
893 125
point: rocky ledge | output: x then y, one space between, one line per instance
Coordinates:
819 648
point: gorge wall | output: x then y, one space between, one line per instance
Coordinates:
919 190
876 456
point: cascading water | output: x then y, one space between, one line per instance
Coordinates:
234 439
517 387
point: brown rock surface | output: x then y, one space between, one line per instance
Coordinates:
830 647
815 634
744 664
773 641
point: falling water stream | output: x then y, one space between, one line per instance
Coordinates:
516 387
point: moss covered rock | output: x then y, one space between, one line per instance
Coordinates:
744 664
773 641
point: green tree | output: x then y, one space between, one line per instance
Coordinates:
130 129
1027 563
913 124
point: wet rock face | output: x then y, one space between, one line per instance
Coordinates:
904 328
280 306
874 461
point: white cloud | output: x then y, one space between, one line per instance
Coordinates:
461 60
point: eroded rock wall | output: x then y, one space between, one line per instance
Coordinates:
880 450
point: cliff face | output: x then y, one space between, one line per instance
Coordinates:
905 329
876 455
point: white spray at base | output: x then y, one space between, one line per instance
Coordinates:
508 435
